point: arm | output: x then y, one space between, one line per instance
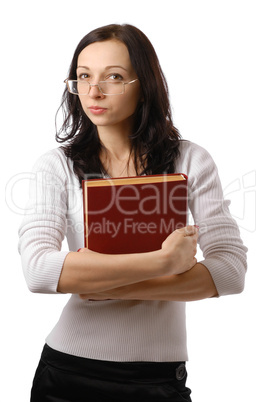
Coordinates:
43 227
195 284
90 272
219 237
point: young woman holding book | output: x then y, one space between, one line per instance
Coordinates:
122 335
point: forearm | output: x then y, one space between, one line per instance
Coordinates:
195 284
90 272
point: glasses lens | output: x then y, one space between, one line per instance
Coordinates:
78 87
107 88
111 88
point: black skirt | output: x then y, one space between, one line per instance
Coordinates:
65 378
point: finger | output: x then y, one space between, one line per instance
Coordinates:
190 230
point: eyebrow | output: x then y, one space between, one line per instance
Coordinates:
106 68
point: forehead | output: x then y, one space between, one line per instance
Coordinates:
102 54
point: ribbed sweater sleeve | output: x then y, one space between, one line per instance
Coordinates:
219 237
44 225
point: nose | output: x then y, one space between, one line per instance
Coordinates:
94 91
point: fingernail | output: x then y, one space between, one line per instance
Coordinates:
196 226
79 250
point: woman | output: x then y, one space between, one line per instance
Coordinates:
122 335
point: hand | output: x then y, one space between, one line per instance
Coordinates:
180 248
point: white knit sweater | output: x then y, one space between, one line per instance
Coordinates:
123 330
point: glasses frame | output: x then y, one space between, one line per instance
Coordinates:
67 80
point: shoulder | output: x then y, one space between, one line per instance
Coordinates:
54 156
191 150
193 157
196 162
54 162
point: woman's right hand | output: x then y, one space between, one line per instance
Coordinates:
179 250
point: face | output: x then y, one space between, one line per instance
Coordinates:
108 61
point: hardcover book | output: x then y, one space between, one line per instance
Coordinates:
133 214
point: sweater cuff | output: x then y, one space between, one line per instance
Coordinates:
227 276
48 282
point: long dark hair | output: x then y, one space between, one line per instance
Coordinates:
155 140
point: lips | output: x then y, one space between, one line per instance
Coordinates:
97 110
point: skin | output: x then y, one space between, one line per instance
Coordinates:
170 273
110 61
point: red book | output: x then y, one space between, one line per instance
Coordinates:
133 214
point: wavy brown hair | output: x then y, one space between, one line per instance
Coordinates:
155 140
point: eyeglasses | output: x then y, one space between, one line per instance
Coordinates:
79 87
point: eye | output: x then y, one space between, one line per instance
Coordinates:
115 77
83 76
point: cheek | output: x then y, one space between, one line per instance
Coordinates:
129 105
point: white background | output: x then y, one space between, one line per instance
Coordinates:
210 53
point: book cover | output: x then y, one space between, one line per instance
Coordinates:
133 214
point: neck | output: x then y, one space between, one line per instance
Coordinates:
118 149
116 154
115 140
